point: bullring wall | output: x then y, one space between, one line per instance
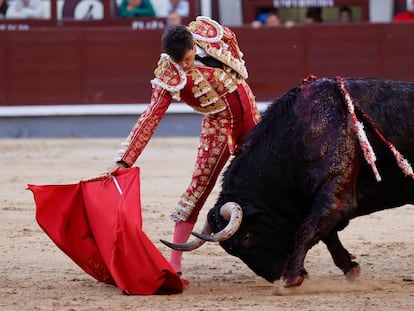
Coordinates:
114 65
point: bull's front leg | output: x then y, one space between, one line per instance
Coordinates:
294 272
331 204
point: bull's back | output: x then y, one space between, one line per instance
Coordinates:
309 125
319 123
390 106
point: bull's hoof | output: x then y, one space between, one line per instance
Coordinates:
292 280
354 272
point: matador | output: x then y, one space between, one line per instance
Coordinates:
209 76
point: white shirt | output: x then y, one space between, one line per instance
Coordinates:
183 9
18 9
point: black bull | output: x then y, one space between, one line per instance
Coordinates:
302 175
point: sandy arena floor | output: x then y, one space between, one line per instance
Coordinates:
36 275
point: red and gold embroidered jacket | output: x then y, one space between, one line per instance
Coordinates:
202 88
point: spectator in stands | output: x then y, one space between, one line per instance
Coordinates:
256 24
407 16
174 19
3 8
133 8
25 9
272 19
261 17
345 14
179 6
314 15
266 17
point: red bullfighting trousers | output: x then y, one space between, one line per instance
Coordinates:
221 134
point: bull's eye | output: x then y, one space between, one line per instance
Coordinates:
247 239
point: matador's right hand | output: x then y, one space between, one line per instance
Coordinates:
111 171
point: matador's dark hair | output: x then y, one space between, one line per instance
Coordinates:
176 41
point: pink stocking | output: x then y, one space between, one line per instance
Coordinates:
181 234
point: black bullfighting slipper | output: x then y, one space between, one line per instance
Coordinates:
184 281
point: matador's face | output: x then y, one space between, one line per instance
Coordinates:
188 59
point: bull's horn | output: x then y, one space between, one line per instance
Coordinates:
232 212
192 245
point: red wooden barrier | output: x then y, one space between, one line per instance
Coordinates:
102 65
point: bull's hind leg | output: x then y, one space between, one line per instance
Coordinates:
341 257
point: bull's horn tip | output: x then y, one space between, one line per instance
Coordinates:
165 242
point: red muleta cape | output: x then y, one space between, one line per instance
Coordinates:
98 224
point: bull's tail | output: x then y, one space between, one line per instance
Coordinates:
369 154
